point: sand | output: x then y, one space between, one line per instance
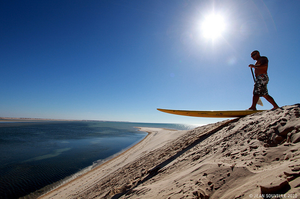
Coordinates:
256 156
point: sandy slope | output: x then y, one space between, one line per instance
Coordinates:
252 157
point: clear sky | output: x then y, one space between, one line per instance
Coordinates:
119 60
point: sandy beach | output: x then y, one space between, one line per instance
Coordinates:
156 138
256 156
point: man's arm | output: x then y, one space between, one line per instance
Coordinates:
258 65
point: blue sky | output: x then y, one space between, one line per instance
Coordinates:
121 59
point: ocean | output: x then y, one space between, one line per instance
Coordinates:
36 155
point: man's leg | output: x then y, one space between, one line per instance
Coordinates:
254 102
272 101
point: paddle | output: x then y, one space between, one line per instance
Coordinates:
259 100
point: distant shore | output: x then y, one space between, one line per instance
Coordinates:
21 119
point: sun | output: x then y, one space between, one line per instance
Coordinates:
213 26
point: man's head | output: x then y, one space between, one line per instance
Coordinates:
255 55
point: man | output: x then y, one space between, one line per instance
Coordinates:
262 79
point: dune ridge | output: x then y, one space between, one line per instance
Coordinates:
256 156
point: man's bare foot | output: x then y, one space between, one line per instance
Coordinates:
275 108
251 109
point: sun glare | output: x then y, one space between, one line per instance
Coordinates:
213 26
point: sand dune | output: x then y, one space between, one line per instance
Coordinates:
256 156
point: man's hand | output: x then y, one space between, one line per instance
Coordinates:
251 66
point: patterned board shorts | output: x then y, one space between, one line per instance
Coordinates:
260 86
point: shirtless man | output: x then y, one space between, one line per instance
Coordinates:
262 79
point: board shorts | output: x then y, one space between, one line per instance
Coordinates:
260 85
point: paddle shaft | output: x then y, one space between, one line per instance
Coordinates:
252 74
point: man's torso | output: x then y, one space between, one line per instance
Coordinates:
263 68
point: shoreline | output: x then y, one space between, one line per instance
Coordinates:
49 188
112 164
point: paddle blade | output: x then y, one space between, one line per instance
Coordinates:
260 102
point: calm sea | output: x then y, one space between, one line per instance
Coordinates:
34 155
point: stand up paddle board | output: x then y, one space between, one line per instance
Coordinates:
217 114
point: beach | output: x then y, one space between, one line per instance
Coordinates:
256 156
156 138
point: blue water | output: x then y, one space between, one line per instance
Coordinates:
36 154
